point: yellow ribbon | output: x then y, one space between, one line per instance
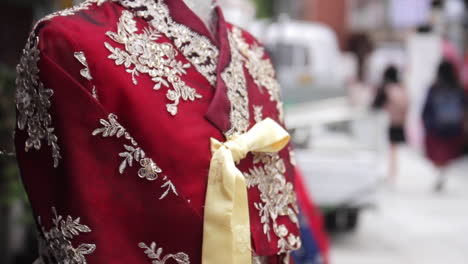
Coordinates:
226 226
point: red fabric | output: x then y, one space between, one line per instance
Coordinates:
442 151
312 214
124 210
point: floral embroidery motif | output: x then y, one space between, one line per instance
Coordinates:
258 113
33 102
80 56
237 93
143 54
55 245
260 68
277 198
276 194
196 48
155 254
149 169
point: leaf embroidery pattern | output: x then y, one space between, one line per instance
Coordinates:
33 101
55 244
142 54
156 255
149 170
260 68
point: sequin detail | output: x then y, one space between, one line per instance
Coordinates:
196 48
33 102
156 255
149 170
234 78
142 54
55 245
260 68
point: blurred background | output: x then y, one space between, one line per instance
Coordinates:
376 101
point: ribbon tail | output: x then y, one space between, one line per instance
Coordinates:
241 223
217 234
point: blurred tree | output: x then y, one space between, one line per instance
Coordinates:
264 8
11 188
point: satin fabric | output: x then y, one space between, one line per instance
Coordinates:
226 220
123 210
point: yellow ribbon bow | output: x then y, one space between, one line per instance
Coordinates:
226 226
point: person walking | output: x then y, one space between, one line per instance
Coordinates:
444 116
393 98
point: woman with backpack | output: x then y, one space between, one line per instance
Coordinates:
392 97
444 118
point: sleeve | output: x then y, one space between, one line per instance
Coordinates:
56 153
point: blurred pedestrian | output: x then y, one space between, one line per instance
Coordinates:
393 98
444 118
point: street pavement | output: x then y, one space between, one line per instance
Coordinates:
411 223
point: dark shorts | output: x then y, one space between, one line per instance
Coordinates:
396 134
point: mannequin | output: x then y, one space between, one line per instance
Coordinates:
126 130
204 10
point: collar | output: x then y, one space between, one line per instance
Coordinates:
210 55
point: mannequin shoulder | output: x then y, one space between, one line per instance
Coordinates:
244 34
80 21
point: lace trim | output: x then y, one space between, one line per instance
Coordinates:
260 69
196 48
155 254
55 245
149 170
33 102
234 78
143 54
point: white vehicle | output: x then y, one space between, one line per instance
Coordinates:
340 149
307 59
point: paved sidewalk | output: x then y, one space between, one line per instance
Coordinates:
412 224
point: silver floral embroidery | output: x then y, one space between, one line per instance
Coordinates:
196 48
237 92
55 245
33 102
258 113
149 170
277 198
32 98
260 69
276 194
143 54
80 56
155 254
